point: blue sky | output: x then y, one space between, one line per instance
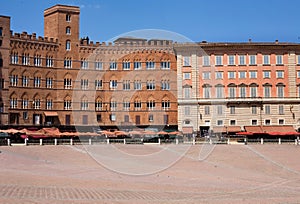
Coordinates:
213 21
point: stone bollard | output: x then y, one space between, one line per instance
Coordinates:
210 141
41 141
107 141
177 141
124 141
71 141
90 141
194 141
8 142
228 141
159 141
261 140
296 142
26 141
279 141
245 141
55 141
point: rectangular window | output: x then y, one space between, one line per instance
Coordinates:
298 73
85 119
186 61
232 109
206 92
298 59
37 60
231 75
187 110
279 74
281 109
84 84
266 59
232 122
187 92
219 110
267 91
37 82
253 74
166 119
219 122
242 74
150 85
49 61
219 60
254 110
219 92
14 80
267 110
280 91
84 105
68 119
126 105
126 85
68 83
267 74
206 60
67 104
254 122
231 60
68 63
206 75
14 58
98 84
113 66
165 65
186 75
25 81
242 60
150 65
37 104
84 64
68 18
279 60
126 118
252 59
25 103
219 75
151 105
165 105
137 65
113 84
99 117
281 121
126 65
150 118
232 93
98 105
253 91
267 122
242 91
49 82
165 85
49 104
137 105
206 110
25 59
99 65
137 85
113 105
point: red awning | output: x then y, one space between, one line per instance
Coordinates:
50 114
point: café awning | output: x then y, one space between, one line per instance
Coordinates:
50 114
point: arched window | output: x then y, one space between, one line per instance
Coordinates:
68 30
67 103
84 103
98 104
68 45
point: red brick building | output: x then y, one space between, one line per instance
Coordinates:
62 79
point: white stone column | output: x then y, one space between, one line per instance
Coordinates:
71 141
8 142
90 141
107 140
124 141
279 141
55 141
41 141
261 140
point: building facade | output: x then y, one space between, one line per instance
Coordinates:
64 80
223 87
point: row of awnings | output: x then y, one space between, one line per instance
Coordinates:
271 130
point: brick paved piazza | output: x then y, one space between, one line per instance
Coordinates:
229 174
